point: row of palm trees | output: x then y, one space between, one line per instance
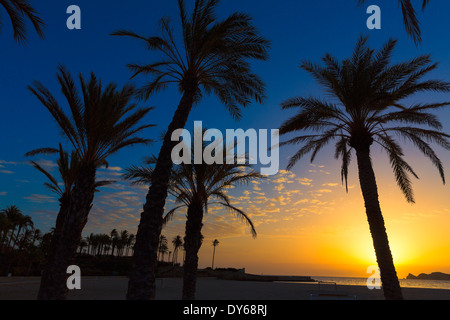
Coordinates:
115 243
163 248
214 57
22 246
16 229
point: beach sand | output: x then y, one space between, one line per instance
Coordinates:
114 288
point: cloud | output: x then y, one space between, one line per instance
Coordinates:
8 162
40 198
114 169
304 181
46 164
324 191
7 171
330 184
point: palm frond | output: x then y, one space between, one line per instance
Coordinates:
19 12
400 167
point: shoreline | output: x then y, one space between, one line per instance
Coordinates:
208 288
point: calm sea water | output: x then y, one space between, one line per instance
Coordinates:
405 283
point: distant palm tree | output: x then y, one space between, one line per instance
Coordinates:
177 244
123 240
211 59
114 236
215 243
23 222
19 11
412 24
83 243
162 247
5 226
366 107
130 242
102 121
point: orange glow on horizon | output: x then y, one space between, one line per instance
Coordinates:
328 234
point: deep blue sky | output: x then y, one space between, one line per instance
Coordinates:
298 30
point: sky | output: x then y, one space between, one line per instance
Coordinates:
307 223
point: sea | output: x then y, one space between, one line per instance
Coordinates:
404 283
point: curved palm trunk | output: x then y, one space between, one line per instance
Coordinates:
192 243
389 279
141 285
67 237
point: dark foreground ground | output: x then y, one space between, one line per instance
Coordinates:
208 288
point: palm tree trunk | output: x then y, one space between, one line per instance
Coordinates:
389 279
67 237
11 236
49 276
17 236
193 241
141 285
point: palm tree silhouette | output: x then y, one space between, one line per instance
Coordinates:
215 243
19 11
194 186
162 247
68 167
5 226
212 59
23 222
13 216
101 122
114 236
177 244
367 108
412 24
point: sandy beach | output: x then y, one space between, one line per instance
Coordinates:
208 288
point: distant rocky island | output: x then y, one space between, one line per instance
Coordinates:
431 276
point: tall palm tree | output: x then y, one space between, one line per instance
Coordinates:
102 121
194 186
215 243
68 168
19 11
177 244
412 24
213 58
366 107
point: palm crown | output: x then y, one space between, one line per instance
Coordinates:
102 120
367 108
212 57
68 167
199 183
